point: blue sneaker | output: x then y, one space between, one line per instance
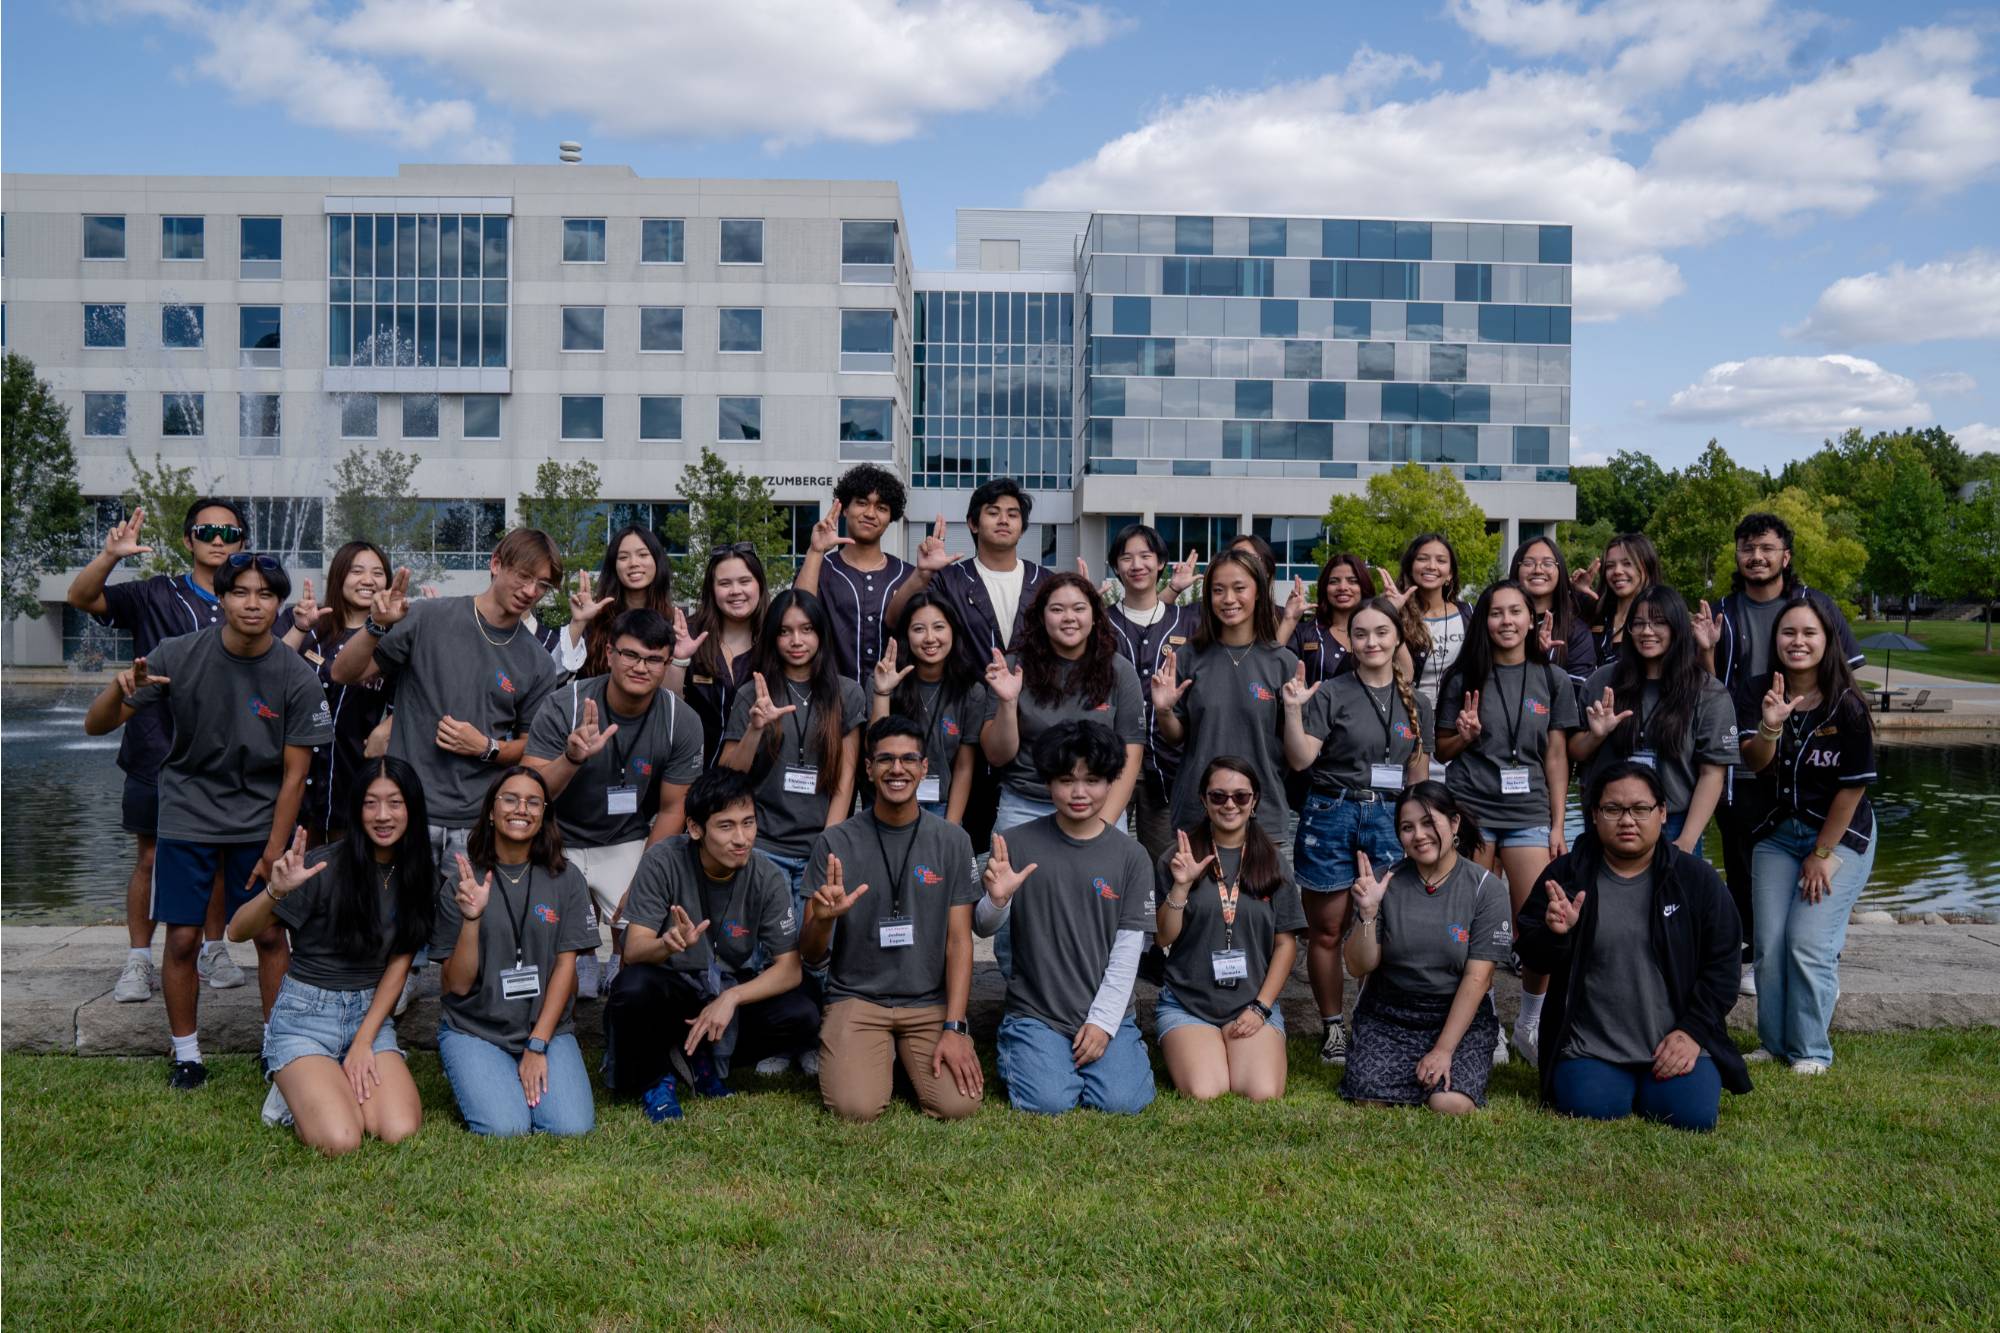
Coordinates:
662 1101
701 1073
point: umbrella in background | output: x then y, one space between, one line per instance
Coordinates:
1887 645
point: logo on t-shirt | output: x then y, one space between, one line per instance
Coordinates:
1459 934
262 710
1406 731
1260 692
927 877
951 727
736 930
1670 909
642 768
1538 708
546 914
1104 889
504 681
1104 707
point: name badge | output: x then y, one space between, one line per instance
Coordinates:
801 781
1646 757
898 933
1177 640
1385 777
700 679
1514 782
1310 646
1230 967
520 983
314 658
928 791
621 800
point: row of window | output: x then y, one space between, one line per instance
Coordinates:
259 239
1273 359
1409 321
259 328
1324 401
995 318
1327 279
863 333
1311 441
866 245
964 461
1332 238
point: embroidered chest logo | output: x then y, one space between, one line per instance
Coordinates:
260 709
1406 731
1260 692
504 681
1104 889
1537 708
546 914
1458 933
642 768
926 877
950 725
736 930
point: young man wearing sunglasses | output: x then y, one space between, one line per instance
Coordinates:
617 752
150 610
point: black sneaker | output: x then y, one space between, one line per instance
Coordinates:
1333 1050
186 1075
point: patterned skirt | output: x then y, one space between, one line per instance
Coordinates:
1394 1029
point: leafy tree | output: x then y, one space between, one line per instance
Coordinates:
166 492
1582 543
1903 530
1969 552
567 504
725 506
1623 493
1695 522
373 501
41 511
1403 502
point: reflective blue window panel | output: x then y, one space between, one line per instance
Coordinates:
1191 467
1107 397
1339 238
1555 245
1338 470
1352 319
1315 441
1132 314
1448 362
1399 402
1376 361
1326 400
1461 444
1378 240
1433 402
1277 319
1320 279
1387 444
1194 236
1423 321
1531 323
1471 402
1496 323
1559 324
1413 240
1267 236
1303 360
1275 439
1472 282
1531 444
1361 281
1253 399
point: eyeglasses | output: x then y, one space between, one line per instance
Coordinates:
265 564
1219 798
1543 563
217 532
1617 813
650 661
508 800
898 760
543 587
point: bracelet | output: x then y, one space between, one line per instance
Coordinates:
884 694
1365 920
1263 1010
1764 735
377 630
681 662
1180 906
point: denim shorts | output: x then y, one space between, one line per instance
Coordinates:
1331 831
1169 1014
307 1020
1537 836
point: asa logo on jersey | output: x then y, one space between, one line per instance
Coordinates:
261 710
1104 889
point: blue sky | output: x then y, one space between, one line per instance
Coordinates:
1785 215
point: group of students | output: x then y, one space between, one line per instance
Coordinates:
794 812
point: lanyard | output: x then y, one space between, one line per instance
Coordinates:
802 716
521 917
1228 894
1384 715
931 708
1513 714
902 871
638 730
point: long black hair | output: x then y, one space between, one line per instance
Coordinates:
1436 799
823 684
659 595
1047 674
1263 616
1323 608
1834 678
1474 666
961 672
356 901
1262 872
1415 632
545 850
1562 602
1682 678
710 659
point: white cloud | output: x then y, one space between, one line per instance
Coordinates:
1654 43
1816 395
1978 438
1957 297
1631 285
1950 381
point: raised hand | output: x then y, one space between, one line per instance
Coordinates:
1187 871
1469 725
122 541
826 532
1295 605
1397 597
831 900
1586 579
392 603
1777 709
586 740
135 678
1295 691
1545 630
887 678
1002 680
1368 890
1083 569
686 645
460 737
1000 877
584 608
291 870
1604 716
1563 911
305 613
1707 627
471 894
681 934
1166 684
1183 575
763 713
931 553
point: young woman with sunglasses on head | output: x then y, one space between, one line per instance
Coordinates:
319 631
1628 567
1539 568
1361 738
728 621
1229 918
928 675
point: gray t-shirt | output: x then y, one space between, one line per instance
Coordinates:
750 915
442 660
657 745
1234 707
949 721
545 915
1123 712
1427 937
1518 707
232 718
1067 914
307 914
788 821
1259 922
1360 726
1625 1012
1761 619
932 860
1677 759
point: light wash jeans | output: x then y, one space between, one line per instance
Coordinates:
1014 810
487 1083
795 875
1042 1077
1798 943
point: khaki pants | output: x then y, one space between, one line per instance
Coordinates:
608 871
859 1044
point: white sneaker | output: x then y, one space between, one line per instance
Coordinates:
773 1065
1500 1056
1760 1056
1811 1067
587 974
409 993
809 1063
1748 985
276 1112
1527 1041
218 969
136 980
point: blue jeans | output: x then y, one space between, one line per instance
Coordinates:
1042 1077
1597 1090
1331 831
1013 811
1798 943
1675 824
795 872
487 1083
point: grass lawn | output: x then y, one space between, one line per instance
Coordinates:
1865 1199
1957 648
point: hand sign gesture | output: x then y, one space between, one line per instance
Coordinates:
305 613
686 645
763 713
1167 685
471 894
1001 879
1187 871
1295 605
1469 725
831 900
583 608
123 539
291 870
1604 715
931 553
1564 911
1397 597
1183 577
826 532
393 602
1707 627
887 678
134 678
681 933
1777 709
1545 630
586 740
1296 691
1368 890
1002 680
1083 569
1586 579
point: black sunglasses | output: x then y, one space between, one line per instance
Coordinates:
732 548
217 532
266 564
1217 797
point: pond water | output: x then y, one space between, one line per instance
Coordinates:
63 857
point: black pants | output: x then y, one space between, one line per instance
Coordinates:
647 1013
1736 823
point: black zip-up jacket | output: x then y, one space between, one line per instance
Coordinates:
1697 941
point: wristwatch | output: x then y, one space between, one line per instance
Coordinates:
959 1026
1823 853
536 1046
492 751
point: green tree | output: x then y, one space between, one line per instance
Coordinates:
1695 522
567 503
1903 530
1824 553
725 506
41 506
1403 502
373 501
166 492
1970 552
1582 543
1623 493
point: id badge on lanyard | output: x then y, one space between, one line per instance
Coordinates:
1385 777
621 800
898 932
1515 780
801 781
1230 965
1646 757
929 791
523 981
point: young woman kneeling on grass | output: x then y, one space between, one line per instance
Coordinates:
1425 940
1640 942
1229 920
508 944
357 910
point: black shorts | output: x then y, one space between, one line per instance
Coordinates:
141 807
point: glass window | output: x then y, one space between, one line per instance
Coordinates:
1302 360
357 416
258 327
1559 324
1399 402
482 416
1253 399
1413 240
1353 319
181 325
867 242
867 420
182 413
103 237
1278 319
104 326
1376 361
1204 534
1472 402
583 241
742 329
1423 321
1531 444
420 416
662 241
1267 236
1326 400
1433 402
262 239
257 416
871 331
1531 323
742 240
1194 236
1496 323
1107 396
1339 238
1554 248
1132 314
660 328
1448 362
1472 282
104 414
583 328
583 417
1461 444
738 419
181 238
417 290
1378 240
1293 540
660 418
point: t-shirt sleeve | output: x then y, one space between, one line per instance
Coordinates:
1317 716
297 907
777 923
542 682
1287 909
739 714
1492 929
1131 719
853 705
393 650
1715 728
1135 909
651 890
444 929
578 930
965 886
1562 701
979 709
814 878
1450 700
684 759
308 720
548 736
